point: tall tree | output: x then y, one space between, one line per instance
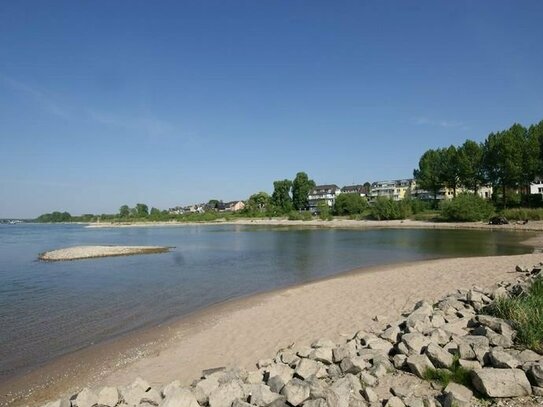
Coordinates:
258 202
449 169
508 159
470 165
281 198
301 186
124 211
536 131
142 210
350 204
428 175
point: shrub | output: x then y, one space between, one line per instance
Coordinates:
456 374
526 313
295 215
350 204
523 214
466 208
387 209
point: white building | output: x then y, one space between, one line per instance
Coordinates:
536 187
323 193
394 189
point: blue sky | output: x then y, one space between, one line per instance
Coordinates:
104 103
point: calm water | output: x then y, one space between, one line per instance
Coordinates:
48 309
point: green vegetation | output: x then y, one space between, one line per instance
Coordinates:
304 215
466 207
324 211
350 204
457 374
508 160
523 214
301 186
526 313
55 217
388 209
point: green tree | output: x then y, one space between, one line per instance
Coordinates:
324 211
281 195
124 211
429 173
535 131
301 186
510 159
213 203
470 165
155 212
142 210
449 168
258 202
350 204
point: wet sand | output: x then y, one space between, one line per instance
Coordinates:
242 331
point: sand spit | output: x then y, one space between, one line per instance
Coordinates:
91 252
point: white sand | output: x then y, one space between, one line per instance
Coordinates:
88 252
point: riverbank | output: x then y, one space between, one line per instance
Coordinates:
536 226
240 332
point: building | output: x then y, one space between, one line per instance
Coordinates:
394 189
536 187
355 189
234 206
323 193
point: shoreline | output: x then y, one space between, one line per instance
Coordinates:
532 226
182 347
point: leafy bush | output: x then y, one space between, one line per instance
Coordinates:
386 209
523 214
324 211
350 204
456 374
466 208
526 313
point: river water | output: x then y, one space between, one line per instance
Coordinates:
49 309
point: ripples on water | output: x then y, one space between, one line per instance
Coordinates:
48 309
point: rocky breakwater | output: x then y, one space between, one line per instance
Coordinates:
393 366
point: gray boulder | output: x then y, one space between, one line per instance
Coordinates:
346 350
394 402
322 354
58 403
296 392
438 356
225 394
85 398
108 396
353 365
369 394
415 342
457 395
261 395
535 374
307 368
503 360
419 364
501 382
180 397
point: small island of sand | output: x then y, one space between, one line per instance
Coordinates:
90 252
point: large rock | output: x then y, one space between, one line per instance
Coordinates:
296 391
535 374
353 365
307 368
151 398
419 364
501 382
457 395
322 354
346 350
85 398
391 334
108 396
394 402
180 397
503 360
369 394
415 342
204 388
261 395
225 394
170 388
438 356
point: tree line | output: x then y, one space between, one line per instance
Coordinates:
507 160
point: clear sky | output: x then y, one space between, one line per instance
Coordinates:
104 103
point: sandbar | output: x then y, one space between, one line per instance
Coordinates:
92 252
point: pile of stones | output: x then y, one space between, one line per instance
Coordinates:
386 367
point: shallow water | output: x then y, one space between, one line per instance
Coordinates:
49 309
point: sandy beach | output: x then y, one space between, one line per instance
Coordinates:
242 331
92 252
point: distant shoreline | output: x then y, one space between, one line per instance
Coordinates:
534 226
